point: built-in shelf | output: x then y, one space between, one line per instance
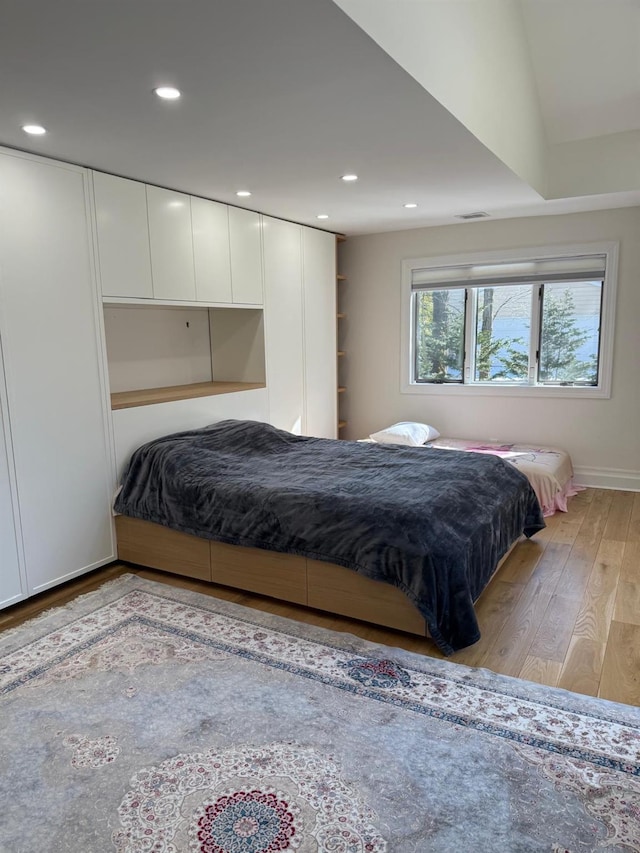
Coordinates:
149 396
341 332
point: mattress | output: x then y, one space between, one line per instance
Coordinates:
548 469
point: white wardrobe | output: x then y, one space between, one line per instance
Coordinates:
76 244
11 577
300 327
55 454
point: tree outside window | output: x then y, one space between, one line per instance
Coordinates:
566 350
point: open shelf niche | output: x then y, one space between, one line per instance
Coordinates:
161 353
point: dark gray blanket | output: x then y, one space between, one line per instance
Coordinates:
432 523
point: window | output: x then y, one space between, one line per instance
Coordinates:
512 323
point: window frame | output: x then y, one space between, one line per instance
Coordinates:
602 390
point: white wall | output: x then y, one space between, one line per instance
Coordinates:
153 346
603 436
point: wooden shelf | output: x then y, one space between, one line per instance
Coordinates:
341 316
149 396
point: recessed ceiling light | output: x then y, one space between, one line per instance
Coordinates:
243 193
34 129
410 204
349 177
167 93
322 216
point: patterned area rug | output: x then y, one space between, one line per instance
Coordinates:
147 719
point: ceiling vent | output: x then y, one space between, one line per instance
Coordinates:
479 214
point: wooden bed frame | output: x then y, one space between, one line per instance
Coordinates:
288 577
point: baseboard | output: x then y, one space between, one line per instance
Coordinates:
608 478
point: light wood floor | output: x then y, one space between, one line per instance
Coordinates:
563 610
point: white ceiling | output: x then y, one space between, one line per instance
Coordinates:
279 96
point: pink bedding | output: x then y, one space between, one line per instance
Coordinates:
548 469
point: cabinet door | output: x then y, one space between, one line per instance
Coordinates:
246 256
283 324
123 236
319 278
171 244
210 221
56 400
11 588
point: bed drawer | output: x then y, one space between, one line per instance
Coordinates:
161 548
256 570
344 591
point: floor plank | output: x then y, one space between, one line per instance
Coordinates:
627 607
592 528
583 666
576 573
511 647
621 670
633 534
630 570
567 531
619 516
551 565
596 610
540 670
553 637
521 562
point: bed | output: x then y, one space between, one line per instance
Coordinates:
336 517
548 469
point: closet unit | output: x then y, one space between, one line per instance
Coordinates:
54 412
300 327
319 271
171 244
245 240
123 237
182 298
211 250
184 331
12 586
283 321
165 292
167 246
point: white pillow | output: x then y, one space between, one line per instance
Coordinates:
406 432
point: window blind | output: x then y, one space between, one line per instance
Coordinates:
580 268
